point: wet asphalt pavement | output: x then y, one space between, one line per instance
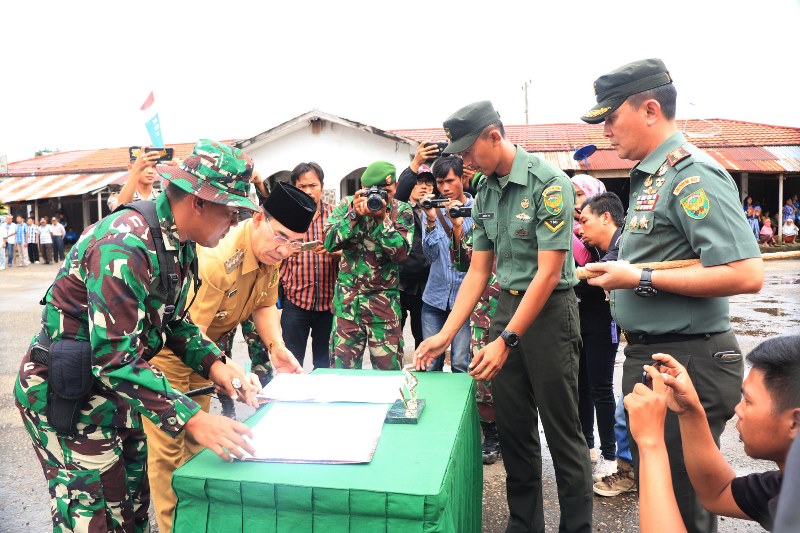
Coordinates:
24 500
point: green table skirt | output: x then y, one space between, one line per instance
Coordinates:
424 477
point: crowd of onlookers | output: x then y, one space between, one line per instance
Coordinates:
765 225
24 242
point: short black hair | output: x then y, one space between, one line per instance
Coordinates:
174 192
496 124
302 168
606 202
665 95
442 166
779 359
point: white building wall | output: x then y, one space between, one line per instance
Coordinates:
338 149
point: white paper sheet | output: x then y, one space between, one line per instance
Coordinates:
318 433
333 388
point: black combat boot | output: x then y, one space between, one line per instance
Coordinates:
491 443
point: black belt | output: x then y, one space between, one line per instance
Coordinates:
634 337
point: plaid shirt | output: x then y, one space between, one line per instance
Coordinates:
22 233
33 231
308 278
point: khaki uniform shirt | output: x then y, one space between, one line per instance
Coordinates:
234 283
531 211
683 205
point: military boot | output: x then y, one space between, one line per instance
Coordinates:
491 443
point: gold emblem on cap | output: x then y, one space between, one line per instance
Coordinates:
389 179
525 203
596 112
447 133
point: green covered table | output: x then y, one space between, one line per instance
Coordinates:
424 477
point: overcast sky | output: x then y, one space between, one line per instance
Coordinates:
76 73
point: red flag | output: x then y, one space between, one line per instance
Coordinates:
147 103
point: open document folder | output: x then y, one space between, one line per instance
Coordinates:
318 433
333 388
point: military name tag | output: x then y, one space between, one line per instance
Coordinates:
234 291
485 216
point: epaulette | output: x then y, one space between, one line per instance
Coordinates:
677 155
234 261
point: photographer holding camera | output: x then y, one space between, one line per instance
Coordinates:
374 232
442 215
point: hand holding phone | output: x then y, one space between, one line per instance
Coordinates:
309 246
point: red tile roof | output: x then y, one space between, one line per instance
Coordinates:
702 133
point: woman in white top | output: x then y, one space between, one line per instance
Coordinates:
45 241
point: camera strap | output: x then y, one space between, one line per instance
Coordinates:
448 230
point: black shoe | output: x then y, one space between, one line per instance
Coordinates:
491 443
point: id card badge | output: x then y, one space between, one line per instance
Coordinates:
614 334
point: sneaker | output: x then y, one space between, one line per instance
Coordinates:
37 262
614 485
603 468
625 467
593 455
491 443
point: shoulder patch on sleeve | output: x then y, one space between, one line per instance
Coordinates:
677 155
696 204
554 224
553 200
683 184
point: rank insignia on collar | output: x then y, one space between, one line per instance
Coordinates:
554 224
643 222
525 203
235 260
660 182
662 169
682 185
634 222
521 232
649 181
553 200
677 155
523 216
696 204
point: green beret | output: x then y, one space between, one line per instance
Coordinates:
379 173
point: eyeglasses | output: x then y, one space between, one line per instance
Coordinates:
283 241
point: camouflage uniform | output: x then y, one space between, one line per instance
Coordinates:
479 320
258 353
366 301
106 293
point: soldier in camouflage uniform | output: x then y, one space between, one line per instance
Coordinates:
240 279
367 299
479 321
107 298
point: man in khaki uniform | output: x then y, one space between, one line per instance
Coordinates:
239 277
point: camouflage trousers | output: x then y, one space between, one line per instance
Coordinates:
97 479
259 355
483 396
384 340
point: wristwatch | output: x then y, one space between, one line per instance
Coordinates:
645 288
510 338
352 215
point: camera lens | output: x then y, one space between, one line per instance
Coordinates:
374 202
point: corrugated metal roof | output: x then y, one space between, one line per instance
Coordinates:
52 186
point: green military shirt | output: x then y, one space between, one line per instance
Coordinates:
516 218
683 205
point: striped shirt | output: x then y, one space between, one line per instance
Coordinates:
33 231
308 278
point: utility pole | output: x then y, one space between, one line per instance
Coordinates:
525 90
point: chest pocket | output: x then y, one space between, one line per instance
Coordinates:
522 229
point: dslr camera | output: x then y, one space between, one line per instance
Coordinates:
375 198
429 203
459 211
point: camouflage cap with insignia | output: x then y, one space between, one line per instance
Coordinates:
614 88
215 172
463 127
379 173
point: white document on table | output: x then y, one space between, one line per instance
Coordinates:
333 388
318 433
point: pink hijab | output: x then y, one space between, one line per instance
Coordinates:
589 185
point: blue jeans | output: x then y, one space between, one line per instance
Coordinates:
621 432
433 319
58 248
296 323
10 253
